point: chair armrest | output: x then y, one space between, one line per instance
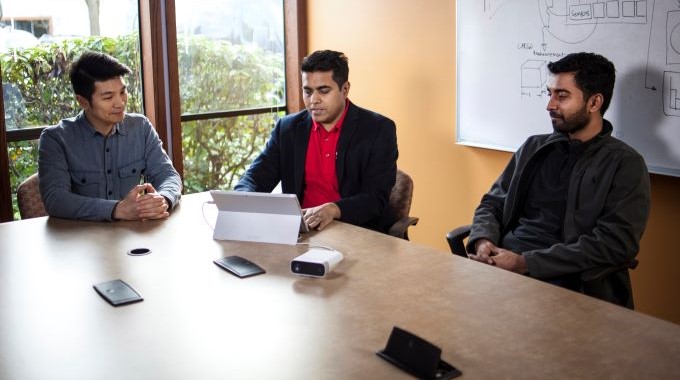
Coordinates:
400 227
456 238
597 273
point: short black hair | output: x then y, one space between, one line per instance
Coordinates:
593 73
92 67
328 60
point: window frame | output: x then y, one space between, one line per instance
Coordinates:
6 213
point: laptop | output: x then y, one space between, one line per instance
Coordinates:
258 217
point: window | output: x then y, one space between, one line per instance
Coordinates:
231 84
218 104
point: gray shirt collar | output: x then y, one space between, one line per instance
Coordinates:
87 131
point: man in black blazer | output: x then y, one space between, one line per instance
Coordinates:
339 159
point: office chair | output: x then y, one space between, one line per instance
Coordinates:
400 205
590 279
29 200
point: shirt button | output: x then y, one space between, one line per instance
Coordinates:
107 149
327 155
82 180
134 170
108 171
110 192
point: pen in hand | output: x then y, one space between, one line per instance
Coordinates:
142 181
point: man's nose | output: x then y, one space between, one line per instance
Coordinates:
551 105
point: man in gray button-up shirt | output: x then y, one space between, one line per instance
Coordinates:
105 164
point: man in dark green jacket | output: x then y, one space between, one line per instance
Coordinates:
569 201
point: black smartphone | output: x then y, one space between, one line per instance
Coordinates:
239 266
117 292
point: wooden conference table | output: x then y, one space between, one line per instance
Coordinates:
199 322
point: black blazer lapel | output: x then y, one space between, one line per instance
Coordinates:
302 132
349 127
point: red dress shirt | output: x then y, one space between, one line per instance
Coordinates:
321 181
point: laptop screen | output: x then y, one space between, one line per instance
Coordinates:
264 203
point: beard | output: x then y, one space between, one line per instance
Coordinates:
572 123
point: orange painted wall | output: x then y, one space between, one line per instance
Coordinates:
402 56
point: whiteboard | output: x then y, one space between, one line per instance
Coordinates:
504 46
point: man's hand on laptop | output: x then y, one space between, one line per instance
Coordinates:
321 216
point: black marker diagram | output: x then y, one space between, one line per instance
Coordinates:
492 6
604 12
671 80
574 21
534 73
534 76
671 91
673 38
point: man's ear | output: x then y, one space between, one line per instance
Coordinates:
595 103
345 89
84 103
